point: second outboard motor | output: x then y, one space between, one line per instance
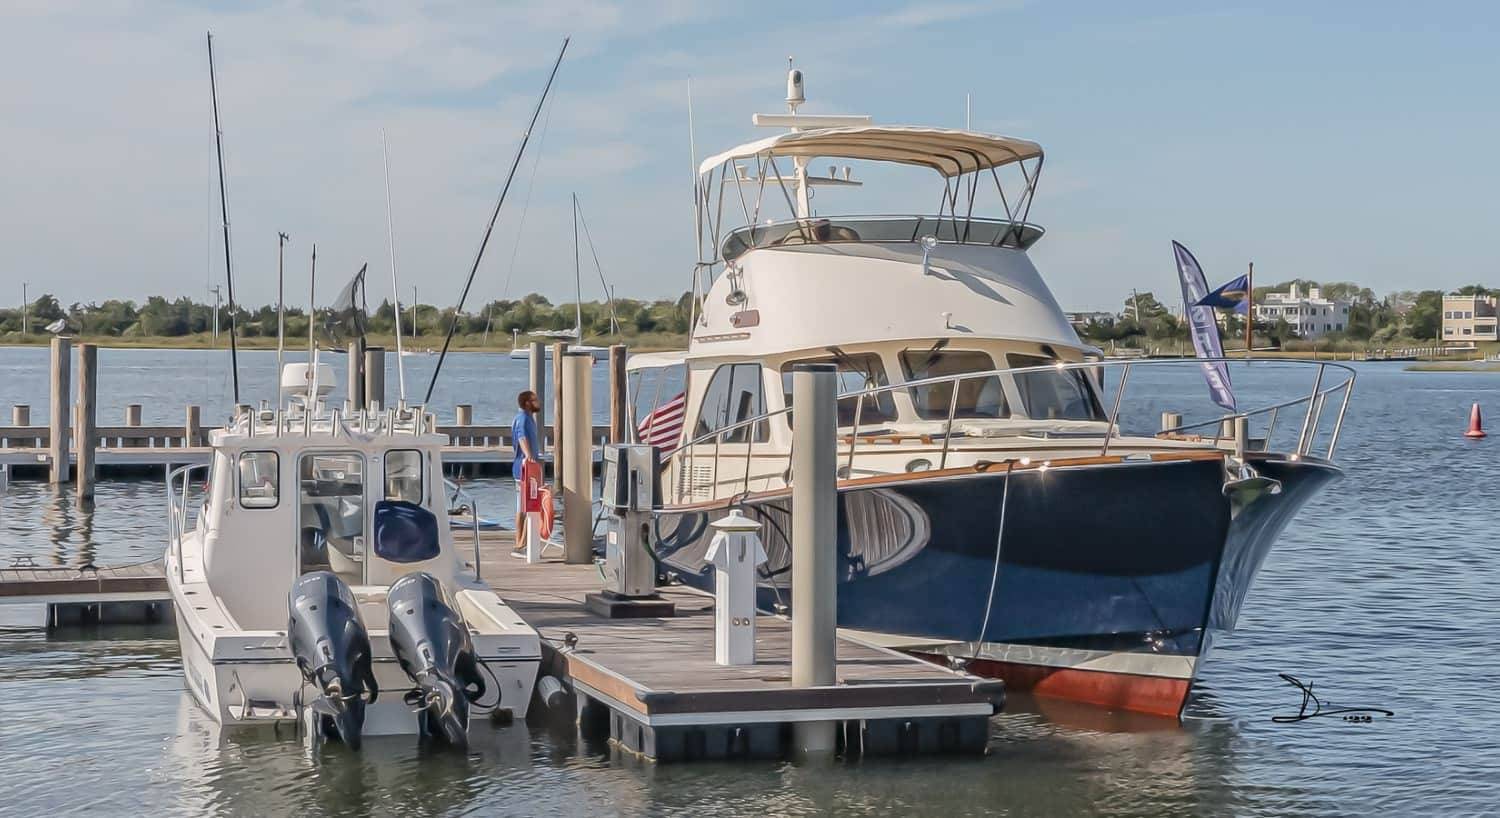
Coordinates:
431 641
333 652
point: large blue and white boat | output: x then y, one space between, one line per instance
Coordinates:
994 510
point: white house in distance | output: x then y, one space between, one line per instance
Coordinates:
1310 314
1469 318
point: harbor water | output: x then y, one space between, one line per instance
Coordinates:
1380 593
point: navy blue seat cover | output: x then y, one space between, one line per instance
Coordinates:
405 532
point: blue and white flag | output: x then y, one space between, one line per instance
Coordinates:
1204 327
1234 294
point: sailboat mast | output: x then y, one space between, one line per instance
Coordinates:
390 233
213 89
577 279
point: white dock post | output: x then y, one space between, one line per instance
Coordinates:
374 378
814 543
58 410
463 416
536 371
1241 437
735 553
20 414
575 453
87 424
1171 421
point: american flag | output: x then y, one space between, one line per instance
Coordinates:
662 426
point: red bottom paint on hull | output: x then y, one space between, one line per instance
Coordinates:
1154 695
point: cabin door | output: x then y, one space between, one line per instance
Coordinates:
331 514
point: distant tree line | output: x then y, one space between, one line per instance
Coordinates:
1400 317
164 318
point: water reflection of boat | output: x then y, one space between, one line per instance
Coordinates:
991 511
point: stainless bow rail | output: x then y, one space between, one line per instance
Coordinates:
749 431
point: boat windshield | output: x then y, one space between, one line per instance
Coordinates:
907 229
857 372
977 397
1058 394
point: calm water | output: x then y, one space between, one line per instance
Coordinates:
1381 592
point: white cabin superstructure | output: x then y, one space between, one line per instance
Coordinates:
293 491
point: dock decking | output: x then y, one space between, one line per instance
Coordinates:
651 685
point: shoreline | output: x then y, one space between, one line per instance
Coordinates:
655 342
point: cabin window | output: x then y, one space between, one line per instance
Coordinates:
977 397
857 373
403 475
332 514
260 480
733 395
1055 394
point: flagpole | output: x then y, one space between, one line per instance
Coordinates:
1249 308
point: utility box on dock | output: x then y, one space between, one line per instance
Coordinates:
735 553
631 493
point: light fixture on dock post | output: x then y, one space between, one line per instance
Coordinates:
814 542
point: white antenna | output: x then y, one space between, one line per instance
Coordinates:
280 305
390 233
697 213
577 278
312 349
967 126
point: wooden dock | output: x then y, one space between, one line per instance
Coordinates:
652 686
649 685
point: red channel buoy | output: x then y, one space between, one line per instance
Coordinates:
1476 429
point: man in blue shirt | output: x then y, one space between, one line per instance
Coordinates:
526 446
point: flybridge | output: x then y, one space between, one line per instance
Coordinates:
772 182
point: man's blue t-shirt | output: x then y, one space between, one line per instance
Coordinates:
523 426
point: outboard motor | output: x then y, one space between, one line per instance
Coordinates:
431 641
333 652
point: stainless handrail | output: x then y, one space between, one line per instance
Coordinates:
177 509
458 493
1303 448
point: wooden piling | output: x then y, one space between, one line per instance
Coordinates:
58 410
192 430
20 415
87 422
619 408
374 377
558 350
537 376
578 481
356 375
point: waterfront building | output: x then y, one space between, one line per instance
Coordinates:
1310 314
1468 318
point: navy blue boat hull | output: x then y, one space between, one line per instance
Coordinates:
1110 577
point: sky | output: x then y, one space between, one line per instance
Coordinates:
1330 141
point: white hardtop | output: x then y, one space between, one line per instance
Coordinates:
948 151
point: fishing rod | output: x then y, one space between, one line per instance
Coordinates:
516 163
281 239
213 89
390 233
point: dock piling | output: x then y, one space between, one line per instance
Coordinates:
814 543
619 410
575 447
20 415
1171 421
57 446
536 371
192 430
374 378
87 425
558 350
